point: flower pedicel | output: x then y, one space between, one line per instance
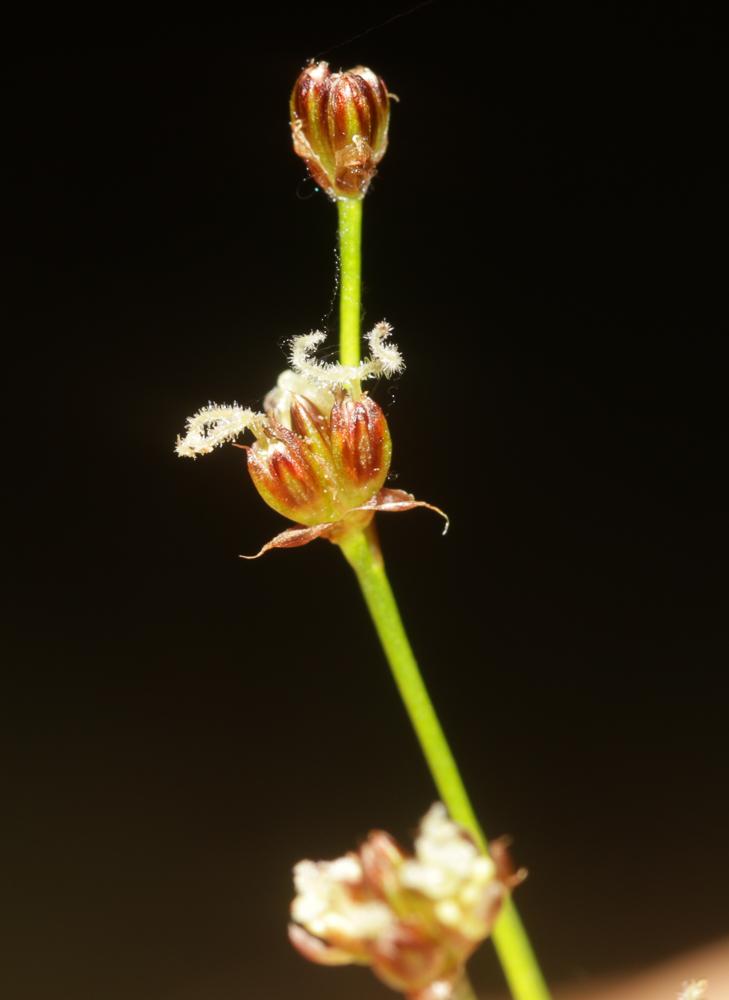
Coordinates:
414 919
322 447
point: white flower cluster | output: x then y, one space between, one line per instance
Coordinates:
325 903
449 869
414 919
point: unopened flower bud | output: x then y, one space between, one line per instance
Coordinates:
285 472
327 463
339 126
360 443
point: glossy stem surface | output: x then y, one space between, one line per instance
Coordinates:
350 289
362 551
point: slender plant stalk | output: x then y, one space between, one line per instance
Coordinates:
350 294
362 551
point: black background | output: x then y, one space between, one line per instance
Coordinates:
546 235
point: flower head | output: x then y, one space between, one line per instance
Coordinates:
321 450
339 126
415 919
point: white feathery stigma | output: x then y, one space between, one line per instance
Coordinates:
216 424
212 426
385 359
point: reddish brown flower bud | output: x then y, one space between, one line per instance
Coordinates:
285 472
326 464
360 441
339 126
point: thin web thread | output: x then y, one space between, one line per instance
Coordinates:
376 27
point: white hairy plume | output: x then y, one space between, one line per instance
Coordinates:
385 359
213 425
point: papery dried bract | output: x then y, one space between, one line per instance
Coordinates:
386 501
339 126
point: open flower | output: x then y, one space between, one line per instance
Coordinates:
414 919
322 446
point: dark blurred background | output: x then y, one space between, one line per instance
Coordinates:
546 235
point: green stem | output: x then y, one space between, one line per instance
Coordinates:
363 554
350 256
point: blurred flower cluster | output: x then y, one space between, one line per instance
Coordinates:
694 990
415 919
